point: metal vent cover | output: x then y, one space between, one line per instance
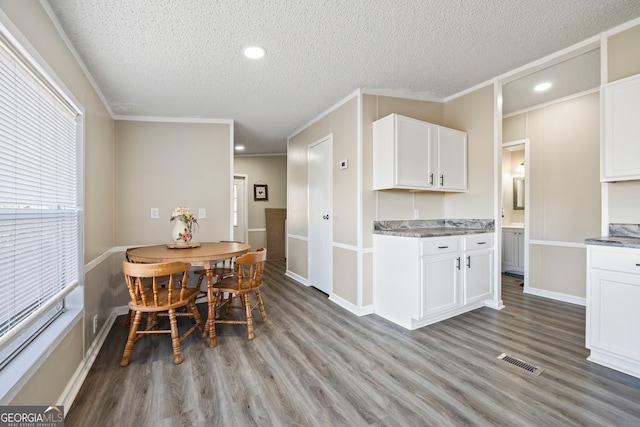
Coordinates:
521 364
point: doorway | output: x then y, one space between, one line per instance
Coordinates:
240 229
515 209
320 161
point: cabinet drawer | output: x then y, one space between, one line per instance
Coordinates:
625 262
478 241
439 246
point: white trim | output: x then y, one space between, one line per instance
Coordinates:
324 114
256 230
37 314
469 90
179 120
553 102
298 237
100 259
73 386
402 94
350 307
345 246
261 155
297 278
622 27
556 243
245 184
555 296
359 200
496 301
56 23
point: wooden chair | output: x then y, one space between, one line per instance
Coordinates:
225 268
247 280
157 298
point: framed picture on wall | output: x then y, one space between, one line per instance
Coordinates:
260 193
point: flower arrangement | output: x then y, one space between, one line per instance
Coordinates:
188 218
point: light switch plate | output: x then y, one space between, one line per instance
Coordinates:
154 213
344 164
202 213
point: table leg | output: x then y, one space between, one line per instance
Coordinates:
211 325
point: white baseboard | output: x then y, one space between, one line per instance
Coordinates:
358 311
297 278
555 295
73 386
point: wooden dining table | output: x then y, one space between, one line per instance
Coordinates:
207 255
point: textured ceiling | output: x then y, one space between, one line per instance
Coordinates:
183 58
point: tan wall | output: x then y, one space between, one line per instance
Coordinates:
47 383
342 124
345 274
624 61
270 170
165 165
563 171
473 113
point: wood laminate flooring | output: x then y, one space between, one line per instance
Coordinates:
315 364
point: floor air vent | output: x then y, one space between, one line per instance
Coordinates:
521 364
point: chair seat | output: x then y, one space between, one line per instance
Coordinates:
163 300
158 289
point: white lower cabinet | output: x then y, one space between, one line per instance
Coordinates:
612 315
419 281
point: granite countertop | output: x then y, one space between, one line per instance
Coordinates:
620 235
432 228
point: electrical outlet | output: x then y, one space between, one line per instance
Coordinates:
154 213
95 323
202 213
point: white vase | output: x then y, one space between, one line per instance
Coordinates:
182 232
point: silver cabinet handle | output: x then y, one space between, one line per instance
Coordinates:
458 263
482 243
431 179
468 262
443 247
441 180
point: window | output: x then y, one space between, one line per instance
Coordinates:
41 213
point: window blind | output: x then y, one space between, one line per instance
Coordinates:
40 198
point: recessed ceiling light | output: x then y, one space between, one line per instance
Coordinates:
239 147
254 52
542 87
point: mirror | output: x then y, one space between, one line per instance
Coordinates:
518 193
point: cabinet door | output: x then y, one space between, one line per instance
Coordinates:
520 246
440 284
452 159
621 130
509 248
612 313
478 276
412 153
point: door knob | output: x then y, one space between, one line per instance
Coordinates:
325 216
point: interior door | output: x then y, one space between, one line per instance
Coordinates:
240 209
321 215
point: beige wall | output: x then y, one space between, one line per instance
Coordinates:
342 124
623 61
165 165
473 113
270 170
48 382
563 173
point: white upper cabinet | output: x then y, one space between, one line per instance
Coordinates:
452 159
620 151
415 155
